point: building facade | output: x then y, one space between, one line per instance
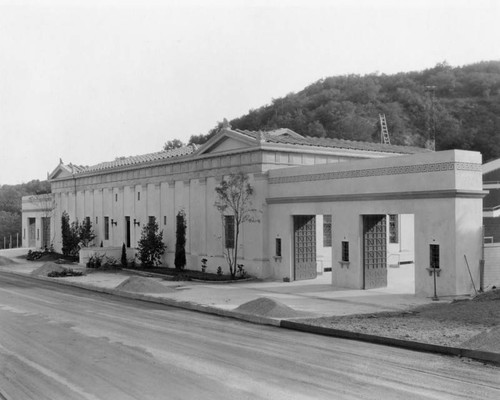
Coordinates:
351 208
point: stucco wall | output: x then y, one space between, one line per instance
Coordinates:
442 191
491 265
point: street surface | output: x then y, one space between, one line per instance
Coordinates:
58 342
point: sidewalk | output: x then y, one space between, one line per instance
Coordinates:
316 298
310 299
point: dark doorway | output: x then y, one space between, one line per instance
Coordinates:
127 230
374 251
31 232
304 228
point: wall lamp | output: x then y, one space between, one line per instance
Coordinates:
136 222
113 222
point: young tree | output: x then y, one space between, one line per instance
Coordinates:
85 232
124 256
70 235
151 246
180 242
234 202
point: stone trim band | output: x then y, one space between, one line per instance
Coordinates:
430 194
362 173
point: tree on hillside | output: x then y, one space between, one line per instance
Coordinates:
234 203
465 108
173 144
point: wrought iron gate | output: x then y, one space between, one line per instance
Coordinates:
304 228
374 251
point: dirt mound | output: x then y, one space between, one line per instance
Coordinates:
271 308
139 284
6 261
488 296
485 341
48 267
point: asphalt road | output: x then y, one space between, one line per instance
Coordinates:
58 342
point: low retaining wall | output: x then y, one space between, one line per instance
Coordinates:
491 265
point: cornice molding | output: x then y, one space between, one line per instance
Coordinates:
384 171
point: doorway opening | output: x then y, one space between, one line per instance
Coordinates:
127 231
31 232
312 247
388 252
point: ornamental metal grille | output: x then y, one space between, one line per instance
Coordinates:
374 251
393 228
305 246
327 231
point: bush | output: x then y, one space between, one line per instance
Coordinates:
70 235
151 246
34 255
180 243
124 256
63 273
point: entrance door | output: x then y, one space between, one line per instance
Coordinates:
304 227
127 232
46 232
31 232
374 251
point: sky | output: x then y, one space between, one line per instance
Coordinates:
89 81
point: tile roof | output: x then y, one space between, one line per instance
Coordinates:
134 160
281 136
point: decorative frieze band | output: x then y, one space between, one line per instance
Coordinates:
362 173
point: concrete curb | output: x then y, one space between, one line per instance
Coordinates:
484 356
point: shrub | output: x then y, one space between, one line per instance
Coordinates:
124 256
63 273
180 243
203 265
151 246
219 271
33 255
70 235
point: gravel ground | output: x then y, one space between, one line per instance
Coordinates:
451 324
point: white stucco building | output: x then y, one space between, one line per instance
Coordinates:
351 208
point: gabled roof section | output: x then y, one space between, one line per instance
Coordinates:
63 170
227 140
289 137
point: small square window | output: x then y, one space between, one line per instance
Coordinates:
434 256
327 231
393 229
278 247
345 251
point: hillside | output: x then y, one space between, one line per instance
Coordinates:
10 206
460 104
